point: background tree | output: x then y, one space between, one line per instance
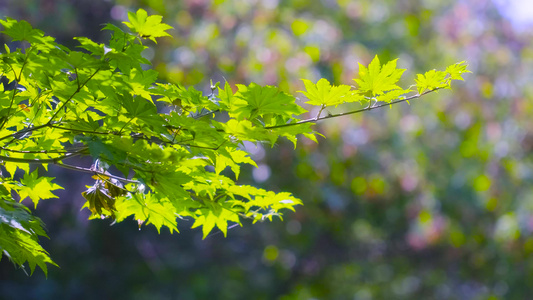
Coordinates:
436 207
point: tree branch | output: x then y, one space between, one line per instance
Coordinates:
38 160
314 120
72 96
82 131
85 170
21 132
75 150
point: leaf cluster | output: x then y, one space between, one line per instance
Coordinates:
161 152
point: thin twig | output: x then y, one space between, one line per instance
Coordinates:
29 129
320 112
38 160
102 178
199 116
72 96
85 170
314 120
82 131
74 150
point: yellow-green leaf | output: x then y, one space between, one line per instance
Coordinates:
37 187
324 94
149 27
377 79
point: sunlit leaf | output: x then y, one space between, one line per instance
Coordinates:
37 187
324 94
377 79
149 27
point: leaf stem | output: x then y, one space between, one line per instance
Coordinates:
320 112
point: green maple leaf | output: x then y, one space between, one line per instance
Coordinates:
275 201
159 212
431 80
120 40
230 157
19 234
148 209
434 79
246 131
378 79
291 132
89 45
21 247
19 31
147 26
141 80
257 101
393 95
456 70
226 97
324 94
218 217
23 31
170 183
142 109
37 187
79 60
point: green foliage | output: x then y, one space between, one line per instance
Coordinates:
149 27
19 232
377 79
434 79
103 102
323 94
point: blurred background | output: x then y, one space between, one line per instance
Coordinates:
432 200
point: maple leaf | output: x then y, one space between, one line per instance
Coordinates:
377 79
22 247
291 132
147 26
19 234
324 94
393 95
226 97
89 45
245 130
143 109
259 100
37 187
456 70
218 217
23 31
148 209
431 80
230 157
98 198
